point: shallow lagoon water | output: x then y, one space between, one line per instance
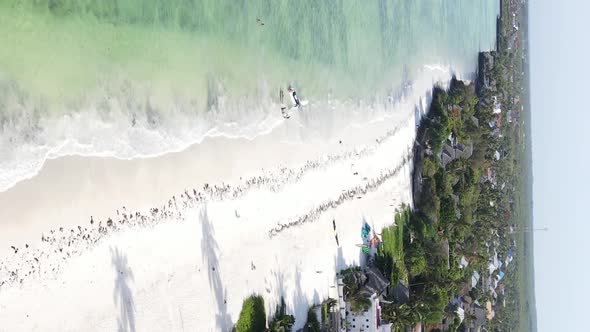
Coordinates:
131 79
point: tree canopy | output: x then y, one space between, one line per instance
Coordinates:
253 315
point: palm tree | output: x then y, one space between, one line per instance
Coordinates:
330 302
327 306
458 227
282 324
449 314
401 316
281 321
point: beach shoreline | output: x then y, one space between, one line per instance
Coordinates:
328 164
233 233
77 187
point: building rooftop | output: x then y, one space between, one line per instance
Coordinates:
401 293
376 283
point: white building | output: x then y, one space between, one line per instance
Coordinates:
363 321
367 321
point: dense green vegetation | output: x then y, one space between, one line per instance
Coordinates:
253 316
471 206
391 254
464 207
472 203
519 311
447 202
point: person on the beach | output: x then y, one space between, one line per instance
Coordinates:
294 98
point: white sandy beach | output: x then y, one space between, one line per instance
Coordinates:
178 273
168 282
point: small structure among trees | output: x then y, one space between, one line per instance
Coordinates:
362 292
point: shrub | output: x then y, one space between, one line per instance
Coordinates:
415 259
359 303
253 316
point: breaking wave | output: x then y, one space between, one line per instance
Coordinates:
128 121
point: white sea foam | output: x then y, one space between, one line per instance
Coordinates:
129 129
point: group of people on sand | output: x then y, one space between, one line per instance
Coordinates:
58 245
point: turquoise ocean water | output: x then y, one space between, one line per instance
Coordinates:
131 78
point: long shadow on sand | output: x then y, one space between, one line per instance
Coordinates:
209 252
122 295
339 261
300 302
